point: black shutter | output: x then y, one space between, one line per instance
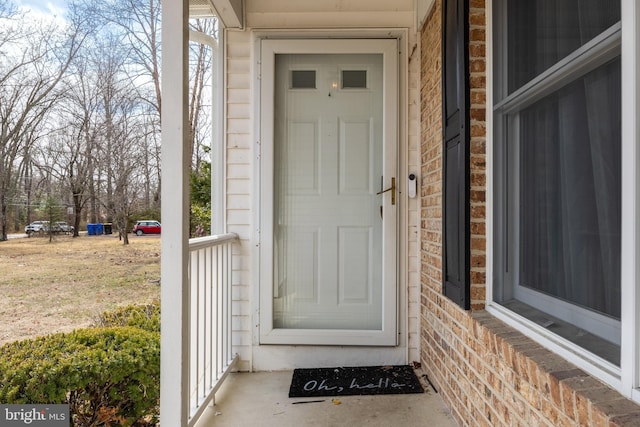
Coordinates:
455 77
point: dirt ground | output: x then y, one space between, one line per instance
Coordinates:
63 285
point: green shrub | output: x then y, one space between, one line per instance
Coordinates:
200 215
145 317
107 375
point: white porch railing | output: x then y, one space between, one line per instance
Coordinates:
210 353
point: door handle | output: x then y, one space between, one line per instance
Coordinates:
392 189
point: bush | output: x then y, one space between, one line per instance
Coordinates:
200 215
106 375
145 317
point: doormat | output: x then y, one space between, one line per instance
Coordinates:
354 381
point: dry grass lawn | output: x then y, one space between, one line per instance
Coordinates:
63 285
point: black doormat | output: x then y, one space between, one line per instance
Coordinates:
354 381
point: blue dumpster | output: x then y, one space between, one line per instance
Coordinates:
99 229
91 229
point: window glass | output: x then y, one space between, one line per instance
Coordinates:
542 32
570 192
354 79
558 168
303 79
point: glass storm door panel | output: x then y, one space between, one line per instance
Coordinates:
333 228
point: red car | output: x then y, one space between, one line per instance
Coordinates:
147 226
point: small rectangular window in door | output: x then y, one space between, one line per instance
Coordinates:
303 79
354 79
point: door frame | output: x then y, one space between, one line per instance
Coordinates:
266 334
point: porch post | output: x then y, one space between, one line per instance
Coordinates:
174 345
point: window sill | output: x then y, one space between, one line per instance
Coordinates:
598 346
567 388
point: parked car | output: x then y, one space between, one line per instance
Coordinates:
147 226
39 227
61 227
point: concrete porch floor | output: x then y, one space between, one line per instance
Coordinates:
261 399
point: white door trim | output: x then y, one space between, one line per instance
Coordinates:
267 334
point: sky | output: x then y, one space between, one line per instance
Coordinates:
44 7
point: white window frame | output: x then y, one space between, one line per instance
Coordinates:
598 51
626 377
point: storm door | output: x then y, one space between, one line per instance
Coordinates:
332 181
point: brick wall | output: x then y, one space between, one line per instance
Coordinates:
488 373
477 115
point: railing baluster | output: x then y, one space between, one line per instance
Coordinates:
197 328
226 280
230 302
221 315
210 319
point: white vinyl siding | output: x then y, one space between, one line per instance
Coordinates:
284 14
238 184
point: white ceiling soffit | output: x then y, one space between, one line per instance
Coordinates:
229 11
423 7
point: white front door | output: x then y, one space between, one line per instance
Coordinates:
329 262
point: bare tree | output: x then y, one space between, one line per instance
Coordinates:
31 67
122 144
199 81
82 107
139 23
66 158
108 103
126 166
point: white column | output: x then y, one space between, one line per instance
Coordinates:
217 128
174 349
218 168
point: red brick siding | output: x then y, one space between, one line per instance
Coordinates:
478 97
487 373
